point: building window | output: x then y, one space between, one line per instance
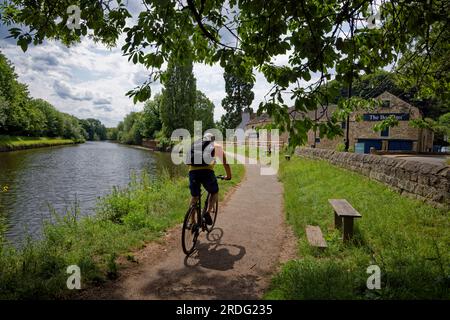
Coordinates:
317 140
343 125
386 104
385 132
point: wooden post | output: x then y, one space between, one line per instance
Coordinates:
348 228
337 221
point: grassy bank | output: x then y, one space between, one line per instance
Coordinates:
407 239
125 220
12 143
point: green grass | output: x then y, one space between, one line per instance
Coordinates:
126 220
10 143
407 239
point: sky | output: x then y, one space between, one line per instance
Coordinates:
89 80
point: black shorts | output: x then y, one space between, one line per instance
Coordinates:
205 178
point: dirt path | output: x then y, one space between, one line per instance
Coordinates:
235 262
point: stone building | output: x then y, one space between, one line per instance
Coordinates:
262 121
361 134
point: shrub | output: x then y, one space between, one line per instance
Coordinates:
340 147
114 206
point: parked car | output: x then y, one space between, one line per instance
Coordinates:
445 149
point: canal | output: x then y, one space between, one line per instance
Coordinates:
37 182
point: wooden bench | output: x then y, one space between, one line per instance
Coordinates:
344 214
315 237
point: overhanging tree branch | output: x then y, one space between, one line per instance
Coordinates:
198 19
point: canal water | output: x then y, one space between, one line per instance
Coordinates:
36 181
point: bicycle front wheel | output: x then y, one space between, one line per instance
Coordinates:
190 231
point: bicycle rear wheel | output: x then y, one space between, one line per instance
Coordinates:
190 231
213 213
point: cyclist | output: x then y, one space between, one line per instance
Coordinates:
204 174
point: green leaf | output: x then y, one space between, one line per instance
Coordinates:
306 76
24 46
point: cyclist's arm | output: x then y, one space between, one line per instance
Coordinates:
223 158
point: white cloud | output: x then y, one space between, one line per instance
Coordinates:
101 101
210 81
64 91
77 79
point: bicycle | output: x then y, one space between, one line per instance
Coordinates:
190 232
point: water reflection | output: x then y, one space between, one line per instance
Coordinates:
57 177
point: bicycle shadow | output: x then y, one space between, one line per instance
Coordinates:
214 254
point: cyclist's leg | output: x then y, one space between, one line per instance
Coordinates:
211 185
192 203
195 188
194 200
212 201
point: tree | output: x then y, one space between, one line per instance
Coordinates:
204 111
151 117
425 66
424 70
4 106
72 128
323 40
440 127
148 123
37 125
17 120
54 119
22 115
10 88
94 129
178 97
130 130
239 98
111 133
444 121
18 113
120 131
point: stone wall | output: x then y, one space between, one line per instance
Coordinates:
427 182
